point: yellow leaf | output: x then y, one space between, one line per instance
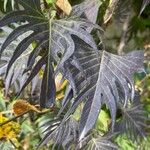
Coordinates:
65 6
9 131
22 106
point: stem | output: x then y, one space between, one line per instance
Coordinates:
13 144
12 119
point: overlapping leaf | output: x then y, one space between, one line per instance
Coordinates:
15 76
95 77
88 8
52 37
98 84
64 134
98 143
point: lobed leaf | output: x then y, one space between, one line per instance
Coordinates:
105 73
52 37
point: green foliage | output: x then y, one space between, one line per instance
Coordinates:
103 121
124 143
50 1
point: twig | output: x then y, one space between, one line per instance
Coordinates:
14 118
13 144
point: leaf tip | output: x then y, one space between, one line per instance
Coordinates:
82 135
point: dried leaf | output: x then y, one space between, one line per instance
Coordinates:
22 106
65 6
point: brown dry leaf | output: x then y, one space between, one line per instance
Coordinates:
65 6
22 106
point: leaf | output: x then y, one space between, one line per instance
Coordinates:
89 116
65 6
87 9
98 143
48 88
112 69
33 73
22 106
133 121
92 12
14 77
52 37
61 133
23 45
95 77
103 79
125 143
